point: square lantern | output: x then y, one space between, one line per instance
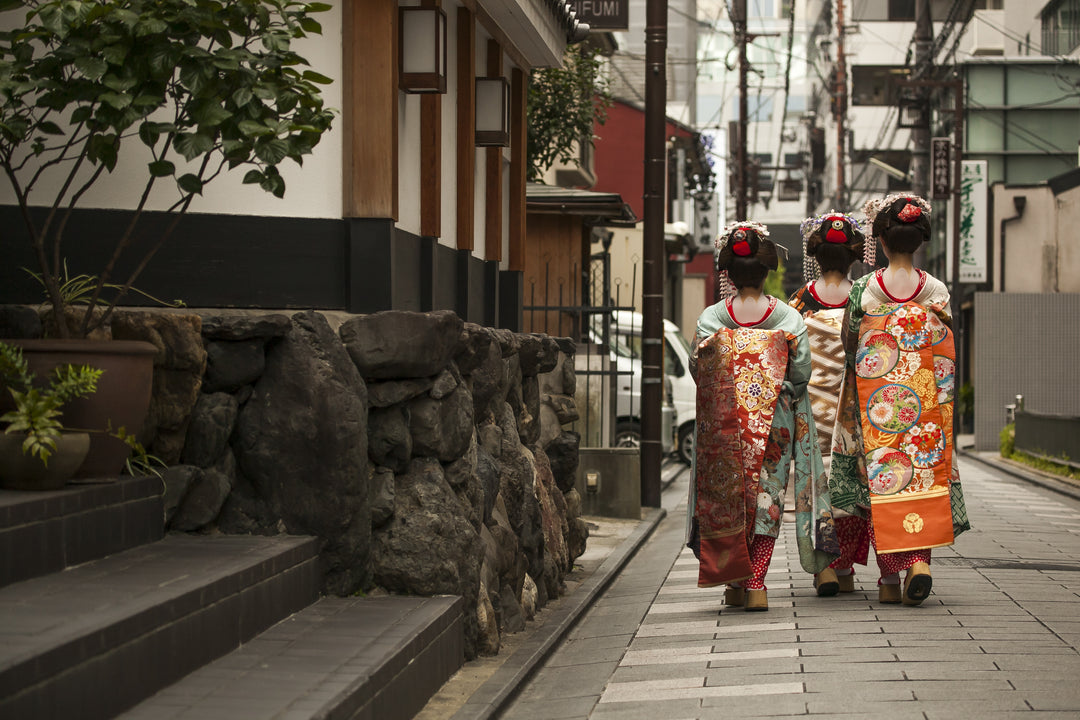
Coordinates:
492 112
422 49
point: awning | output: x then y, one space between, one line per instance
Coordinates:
600 208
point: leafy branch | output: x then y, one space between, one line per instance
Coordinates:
564 105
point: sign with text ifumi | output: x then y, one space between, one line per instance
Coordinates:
604 14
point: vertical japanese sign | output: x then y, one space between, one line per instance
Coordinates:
604 14
974 208
941 188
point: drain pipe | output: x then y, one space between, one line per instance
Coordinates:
1019 203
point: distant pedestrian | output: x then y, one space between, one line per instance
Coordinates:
752 364
832 243
900 363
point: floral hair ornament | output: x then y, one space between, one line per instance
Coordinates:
910 213
735 232
812 225
876 205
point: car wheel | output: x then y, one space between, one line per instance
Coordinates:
628 434
685 446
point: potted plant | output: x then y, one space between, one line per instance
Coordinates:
188 90
36 453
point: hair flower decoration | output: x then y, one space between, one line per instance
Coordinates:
876 205
728 232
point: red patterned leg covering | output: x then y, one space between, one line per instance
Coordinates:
760 554
854 536
892 563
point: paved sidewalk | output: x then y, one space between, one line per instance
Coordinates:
998 637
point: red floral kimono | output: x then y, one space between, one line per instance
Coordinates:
754 420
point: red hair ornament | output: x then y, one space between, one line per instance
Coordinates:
836 233
910 213
741 246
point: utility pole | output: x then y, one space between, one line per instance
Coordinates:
738 20
841 107
652 300
924 63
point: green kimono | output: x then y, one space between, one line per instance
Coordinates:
791 438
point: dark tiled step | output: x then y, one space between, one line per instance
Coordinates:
359 658
96 639
42 532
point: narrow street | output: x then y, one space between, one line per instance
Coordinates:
998 636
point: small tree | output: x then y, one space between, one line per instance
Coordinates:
206 86
564 104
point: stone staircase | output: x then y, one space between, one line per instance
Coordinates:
101 615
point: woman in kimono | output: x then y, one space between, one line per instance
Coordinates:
752 364
900 370
831 244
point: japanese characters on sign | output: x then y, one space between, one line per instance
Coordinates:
941 188
974 209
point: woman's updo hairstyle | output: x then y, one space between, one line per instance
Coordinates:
834 240
901 221
746 254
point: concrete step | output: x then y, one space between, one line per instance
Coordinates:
42 532
94 640
376 658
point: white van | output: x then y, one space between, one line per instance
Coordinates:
626 343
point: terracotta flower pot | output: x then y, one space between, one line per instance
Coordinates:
23 471
122 398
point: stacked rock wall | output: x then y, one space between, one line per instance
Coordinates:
427 454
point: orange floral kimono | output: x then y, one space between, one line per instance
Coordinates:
893 450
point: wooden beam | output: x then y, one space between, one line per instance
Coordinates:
370 117
466 128
519 85
493 193
431 158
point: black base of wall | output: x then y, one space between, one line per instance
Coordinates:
360 265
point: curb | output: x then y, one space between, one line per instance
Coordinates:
493 696
1018 471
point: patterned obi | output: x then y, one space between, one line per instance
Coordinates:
905 374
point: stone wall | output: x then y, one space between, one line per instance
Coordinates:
427 454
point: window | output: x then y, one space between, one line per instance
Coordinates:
1061 27
876 84
901 9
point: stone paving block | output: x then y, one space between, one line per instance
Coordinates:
892 710
865 672
586 655
572 680
668 709
845 656
948 689
852 688
552 709
1065 700
772 706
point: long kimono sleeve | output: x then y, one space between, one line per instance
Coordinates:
799 366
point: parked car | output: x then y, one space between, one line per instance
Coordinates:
679 385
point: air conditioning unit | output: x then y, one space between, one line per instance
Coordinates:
987 33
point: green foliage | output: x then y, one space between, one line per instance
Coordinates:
1007 440
203 86
564 103
1046 465
774 282
965 400
37 408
